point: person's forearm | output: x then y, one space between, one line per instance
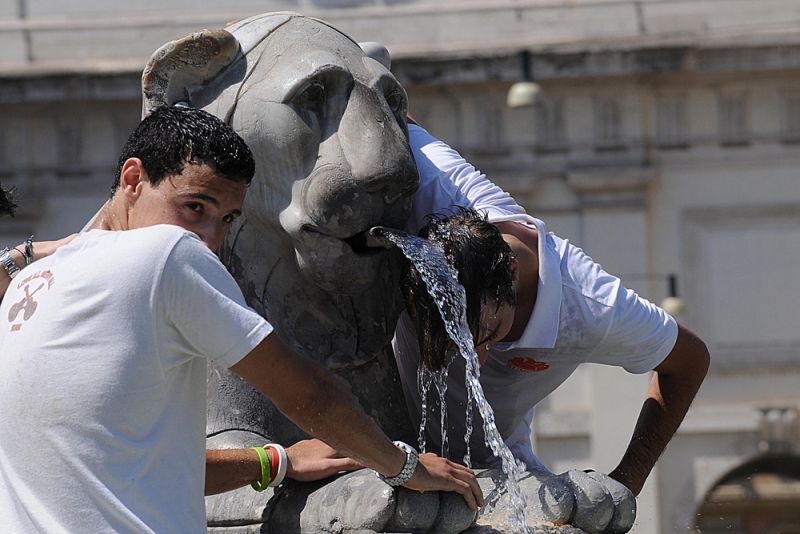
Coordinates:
668 400
40 249
229 469
319 403
329 411
322 405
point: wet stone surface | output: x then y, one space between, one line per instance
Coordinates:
360 502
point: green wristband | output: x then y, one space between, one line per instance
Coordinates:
266 468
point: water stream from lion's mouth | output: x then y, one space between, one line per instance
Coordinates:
441 281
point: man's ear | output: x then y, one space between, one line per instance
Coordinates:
132 177
514 270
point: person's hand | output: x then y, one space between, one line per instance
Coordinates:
436 473
312 459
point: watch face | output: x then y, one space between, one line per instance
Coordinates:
404 447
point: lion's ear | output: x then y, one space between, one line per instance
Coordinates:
378 52
178 65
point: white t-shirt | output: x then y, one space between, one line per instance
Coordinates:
447 180
103 351
582 314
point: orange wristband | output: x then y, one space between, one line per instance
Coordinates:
274 463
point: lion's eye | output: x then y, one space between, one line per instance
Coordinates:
313 97
396 101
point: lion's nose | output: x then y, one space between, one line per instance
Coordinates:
376 148
393 185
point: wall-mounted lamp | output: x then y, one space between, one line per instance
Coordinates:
779 429
524 93
673 304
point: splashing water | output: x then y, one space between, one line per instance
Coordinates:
468 433
439 379
441 281
424 380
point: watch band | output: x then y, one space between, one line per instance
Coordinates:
412 459
8 263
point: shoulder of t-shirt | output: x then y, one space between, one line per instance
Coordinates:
148 243
167 237
432 155
418 137
156 245
584 277
425 148
187 248
185 258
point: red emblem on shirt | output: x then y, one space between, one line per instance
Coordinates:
528 365
23 310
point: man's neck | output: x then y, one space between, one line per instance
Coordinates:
524 242
112 216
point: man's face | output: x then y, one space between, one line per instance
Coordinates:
495 324
197 199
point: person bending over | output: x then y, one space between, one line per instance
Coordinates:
538 307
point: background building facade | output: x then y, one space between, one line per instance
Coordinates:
666 140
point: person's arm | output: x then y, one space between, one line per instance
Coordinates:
308 460
41 249
322 405
672 389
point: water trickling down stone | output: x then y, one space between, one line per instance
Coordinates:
441 281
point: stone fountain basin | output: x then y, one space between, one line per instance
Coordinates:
361 503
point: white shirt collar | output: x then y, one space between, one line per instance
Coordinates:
541 332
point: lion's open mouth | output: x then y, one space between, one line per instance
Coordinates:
360 243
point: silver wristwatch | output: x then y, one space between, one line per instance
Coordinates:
412 459
8 263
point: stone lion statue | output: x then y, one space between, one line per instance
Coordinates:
327 126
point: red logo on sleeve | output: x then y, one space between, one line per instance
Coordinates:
528 365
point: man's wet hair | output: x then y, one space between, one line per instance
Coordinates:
7 203
482 258
173 136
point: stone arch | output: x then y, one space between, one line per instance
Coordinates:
759 495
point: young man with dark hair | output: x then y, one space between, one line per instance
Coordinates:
104 347
565 311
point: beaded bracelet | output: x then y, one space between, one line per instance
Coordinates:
28 251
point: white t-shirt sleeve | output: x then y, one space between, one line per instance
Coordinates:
202 301
447 181
640 334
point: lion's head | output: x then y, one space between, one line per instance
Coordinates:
327 127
